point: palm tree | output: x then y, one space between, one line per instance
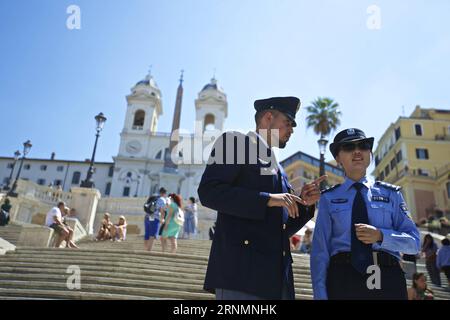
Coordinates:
323 117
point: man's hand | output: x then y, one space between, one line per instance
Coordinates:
287 200
311 191
368 234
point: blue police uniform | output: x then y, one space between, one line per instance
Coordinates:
250 252
386 211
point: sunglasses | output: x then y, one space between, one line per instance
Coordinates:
351 146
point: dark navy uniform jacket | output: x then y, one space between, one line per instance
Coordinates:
250 251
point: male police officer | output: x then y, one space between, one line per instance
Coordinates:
257 210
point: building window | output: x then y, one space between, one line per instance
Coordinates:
393 163
139 118
41 182
381 175
448 190
43 167
377 160
108 189
418 129
209 122
423 172
159 155
76 177
111 171
10 165
60 168
27 167
398 156
422 154
386 171
58 182
126 191
397 134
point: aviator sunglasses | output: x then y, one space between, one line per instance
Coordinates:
351 146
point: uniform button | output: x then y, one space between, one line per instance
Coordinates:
284 253
284 226
246 242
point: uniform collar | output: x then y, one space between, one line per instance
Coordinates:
348 183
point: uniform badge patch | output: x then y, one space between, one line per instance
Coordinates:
339 200
404 209
380 199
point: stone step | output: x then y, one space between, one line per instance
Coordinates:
97 288
112 251
107 272
138 267
110 281
58 294
155 283
47 273
80 255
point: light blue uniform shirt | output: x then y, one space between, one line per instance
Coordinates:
386 211
443 257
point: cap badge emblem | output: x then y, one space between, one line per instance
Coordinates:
351 132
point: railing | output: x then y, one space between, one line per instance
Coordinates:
47 195
442 137
433 175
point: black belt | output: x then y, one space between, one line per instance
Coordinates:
381 258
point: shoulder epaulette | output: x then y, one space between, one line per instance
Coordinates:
388 185
330 188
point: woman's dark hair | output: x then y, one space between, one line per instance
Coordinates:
416 277
427 244
176 198
192 199
445 242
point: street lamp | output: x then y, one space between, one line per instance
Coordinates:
16 157
26 149
100 120
322 147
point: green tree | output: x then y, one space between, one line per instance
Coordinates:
323 116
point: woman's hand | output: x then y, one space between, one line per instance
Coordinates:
368 234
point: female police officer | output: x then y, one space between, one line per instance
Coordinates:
361 227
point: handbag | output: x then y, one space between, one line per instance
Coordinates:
179 217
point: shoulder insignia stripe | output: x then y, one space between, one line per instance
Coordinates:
388 185
330 188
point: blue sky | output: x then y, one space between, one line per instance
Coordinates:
53 81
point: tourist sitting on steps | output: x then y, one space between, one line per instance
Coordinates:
119 231
54 221
69 243
105 229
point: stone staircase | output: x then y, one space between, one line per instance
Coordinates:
123 270
10 232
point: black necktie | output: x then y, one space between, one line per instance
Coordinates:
361 253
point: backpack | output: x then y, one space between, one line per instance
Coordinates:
150 205
179 217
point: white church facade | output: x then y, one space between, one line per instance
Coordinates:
140 166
